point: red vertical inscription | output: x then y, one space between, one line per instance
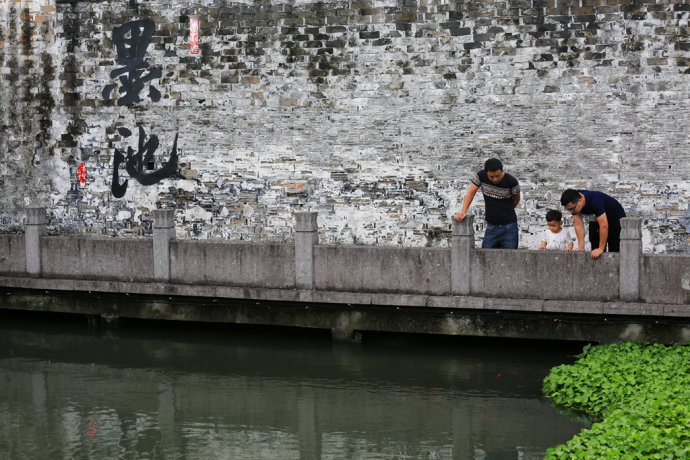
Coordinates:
194 35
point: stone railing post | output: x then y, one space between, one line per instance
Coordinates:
306 237
163 232
462 243
630 258
34 229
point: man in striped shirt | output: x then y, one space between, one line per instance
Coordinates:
501 195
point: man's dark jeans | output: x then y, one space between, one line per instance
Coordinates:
501 236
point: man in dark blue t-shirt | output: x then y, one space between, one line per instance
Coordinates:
501 195
605 230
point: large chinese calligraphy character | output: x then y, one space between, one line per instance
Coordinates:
131 40
135 162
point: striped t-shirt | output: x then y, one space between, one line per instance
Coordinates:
498 198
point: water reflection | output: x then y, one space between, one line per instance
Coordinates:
182 391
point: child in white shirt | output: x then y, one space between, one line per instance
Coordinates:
555 237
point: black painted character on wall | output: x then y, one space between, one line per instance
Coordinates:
136 163
131 40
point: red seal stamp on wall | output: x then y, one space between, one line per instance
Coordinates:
81 174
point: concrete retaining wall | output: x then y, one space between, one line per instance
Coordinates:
269 265
662 277
457 291
12 253
353 274
504 274
371 269
125 259
544 275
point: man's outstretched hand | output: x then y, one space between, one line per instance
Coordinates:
460 216
596 253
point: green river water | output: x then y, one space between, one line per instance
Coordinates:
190 391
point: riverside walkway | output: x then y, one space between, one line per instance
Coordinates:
459 290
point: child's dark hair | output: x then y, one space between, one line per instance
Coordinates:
553 216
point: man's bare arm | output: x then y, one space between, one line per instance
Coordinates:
579 226
603 236
466 204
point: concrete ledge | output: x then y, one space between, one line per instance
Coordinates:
633 309
532 305
677 310
638 309
574 306
462 302
343 313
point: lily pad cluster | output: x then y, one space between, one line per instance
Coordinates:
636 394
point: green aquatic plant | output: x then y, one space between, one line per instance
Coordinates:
637 395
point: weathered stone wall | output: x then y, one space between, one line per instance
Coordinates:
12 253
30 85
373 113
121 259
270 265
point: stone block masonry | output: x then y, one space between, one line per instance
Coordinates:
372 113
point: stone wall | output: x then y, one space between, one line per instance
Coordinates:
305 271
12 254
121 259
269 265
373 113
